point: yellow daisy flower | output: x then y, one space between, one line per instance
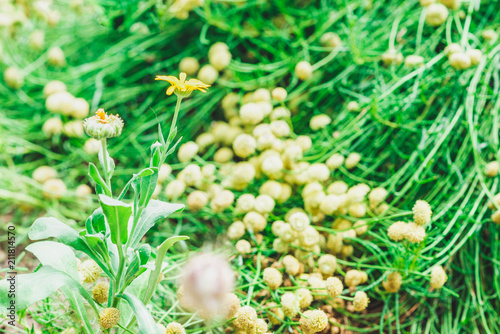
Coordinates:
180 86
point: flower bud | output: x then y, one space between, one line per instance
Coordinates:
13 78
44 173
175 328
187 151
89 271
37 40
244 145
313 321
272 277
80 108
279 94
436 14
319 122
102 125
100 292
422 212
54 86
334 287
54 188
392 283
361 301
438 277
460 61
56 57
291 264
243 247
352 160
303 70
208 74
189 65
414 60
53 126
491 169
330 39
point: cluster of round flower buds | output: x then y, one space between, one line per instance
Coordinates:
181 8
414 231
460 59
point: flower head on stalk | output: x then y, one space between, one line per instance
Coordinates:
180 86
102 125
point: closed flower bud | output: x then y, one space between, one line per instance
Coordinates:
244 145
83 191
397 231
279 94
251 113
220 59
54 188
164 172
304 142
436 14
56 57
377 196
330 204
44 173
89 271
353 106
337 188
272 277
100 292
291 264
357 210
319 122
223 155
205 140
313 321
92 146
327 264
392 283
102 125
289 304
304 297
475 56
318 172
415 233
109 317
360 227
414 60
222 200
254 221
275 314
489 35
80 108
422 213
189 65
491 169
355 277
264 204
54 86
361 301
60 102
352 160
37 40
438 277
187 151
271 188
334 287
13 78
392 57
232 303
280 246
460 61
73 129
175 189
208 74
299 221
303 70
243 247
330 39
246 319
245 203
175 328
236 230
190 175
272 166
197 200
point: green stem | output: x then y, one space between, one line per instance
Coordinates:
105 163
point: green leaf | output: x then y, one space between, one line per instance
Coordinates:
117 215
56 255
155 211
107 160
34 287
162 250
146 323
77 305
96 222
96 176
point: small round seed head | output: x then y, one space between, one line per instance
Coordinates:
475 56
208 74
397 231
232 305
243 247
261 326
460 61
337 188
334 286
280 246
251 113
89 271
54 86
438 277
303 70
272 277
304 142
319 122
355 277
236 230
246 317
393 282
222 200
491 169
197 200
327 264
415 233
313 321
175 328
318 172
187 151
377 196
436 14
304 297
422 213
175 189
100 292
164 172
109 317
254 221
288 304
279 94
292 265
264 204
352 160
244 145
361 301
299 221
275 314
189 65
360 227
495 217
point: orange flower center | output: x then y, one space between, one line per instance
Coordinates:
101 114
